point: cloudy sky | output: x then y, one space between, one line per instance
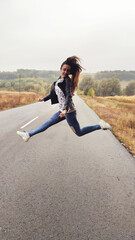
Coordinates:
41 34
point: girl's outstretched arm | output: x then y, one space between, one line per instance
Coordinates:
47 98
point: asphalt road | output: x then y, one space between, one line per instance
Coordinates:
63 187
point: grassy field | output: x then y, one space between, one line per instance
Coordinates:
119 112
14 99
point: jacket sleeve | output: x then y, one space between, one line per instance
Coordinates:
46 98
68 90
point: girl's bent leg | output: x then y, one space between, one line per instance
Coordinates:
53 120
73 123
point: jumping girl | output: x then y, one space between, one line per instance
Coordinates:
61 92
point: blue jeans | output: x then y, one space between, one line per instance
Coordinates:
72 122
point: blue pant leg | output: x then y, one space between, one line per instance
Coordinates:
72 121
53 120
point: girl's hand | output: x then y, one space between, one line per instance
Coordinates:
41 99
63 113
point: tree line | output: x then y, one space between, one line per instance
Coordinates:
105 87
121 75
32 73
28 73
28 80
105 83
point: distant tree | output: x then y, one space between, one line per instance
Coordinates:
37 87
2 83
43 91
96 87
8 85
86 91
86 83
29 87
110 87
130 89
91 92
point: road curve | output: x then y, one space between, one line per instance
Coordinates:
60 186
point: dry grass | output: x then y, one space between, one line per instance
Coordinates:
14 99
119 111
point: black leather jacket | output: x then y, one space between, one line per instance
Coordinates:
66 87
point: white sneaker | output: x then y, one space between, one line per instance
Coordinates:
104 125
24 135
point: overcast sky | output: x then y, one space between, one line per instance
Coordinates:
41 34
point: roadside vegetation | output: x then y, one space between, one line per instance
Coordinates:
119 112
15 99
112 96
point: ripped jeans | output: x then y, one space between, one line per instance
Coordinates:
72 122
